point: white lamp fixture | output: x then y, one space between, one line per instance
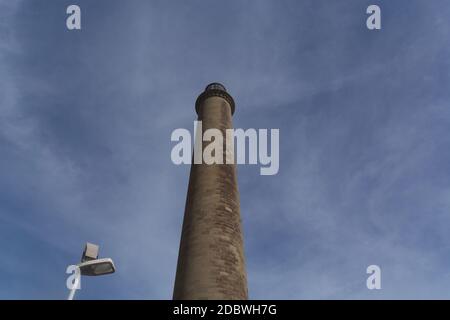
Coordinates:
92 266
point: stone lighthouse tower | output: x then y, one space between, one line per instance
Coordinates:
211 258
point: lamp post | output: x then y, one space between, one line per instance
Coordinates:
91 266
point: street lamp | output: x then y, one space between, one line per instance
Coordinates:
97 267
91 266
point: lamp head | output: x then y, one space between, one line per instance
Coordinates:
97 267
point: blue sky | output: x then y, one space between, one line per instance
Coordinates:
364 118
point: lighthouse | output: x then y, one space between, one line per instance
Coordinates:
211 262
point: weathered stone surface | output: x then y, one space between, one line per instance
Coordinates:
211 258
